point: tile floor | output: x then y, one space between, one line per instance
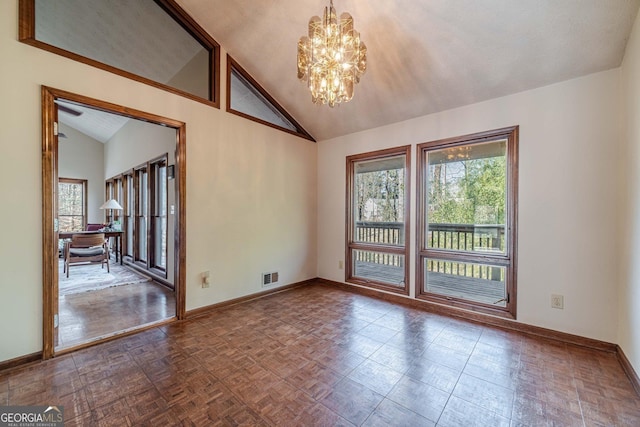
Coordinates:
317 355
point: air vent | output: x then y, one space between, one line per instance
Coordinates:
269 279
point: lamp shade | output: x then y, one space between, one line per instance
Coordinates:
111 204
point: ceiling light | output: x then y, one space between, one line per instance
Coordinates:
332 58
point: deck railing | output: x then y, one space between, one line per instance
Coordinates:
389 233
465 237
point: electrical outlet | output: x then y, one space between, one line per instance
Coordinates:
205 279
557 301
340 264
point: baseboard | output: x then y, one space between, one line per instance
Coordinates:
19 361
208 308
476 317
628 369
406 301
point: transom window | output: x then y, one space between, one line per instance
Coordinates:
246 98
151 41
467 221
378 219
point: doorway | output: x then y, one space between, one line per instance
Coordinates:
168 223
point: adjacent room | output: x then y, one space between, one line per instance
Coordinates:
321 213
113 186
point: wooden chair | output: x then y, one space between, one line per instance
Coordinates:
86 248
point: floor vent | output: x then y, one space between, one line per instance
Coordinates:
269 278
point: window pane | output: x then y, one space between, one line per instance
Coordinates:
117 195
71 215
466 200
160 241
379 201
135 36
470 281
70 199
141 223
130 226
249 100
161 190
143 193
379 266
142 238
160 223
129 213
246 99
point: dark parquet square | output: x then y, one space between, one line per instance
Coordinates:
320 356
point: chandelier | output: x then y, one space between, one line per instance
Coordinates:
332 58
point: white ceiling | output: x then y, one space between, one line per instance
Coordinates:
97 124
424 56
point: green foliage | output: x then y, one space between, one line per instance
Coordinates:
469 192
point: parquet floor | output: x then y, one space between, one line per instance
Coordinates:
317 355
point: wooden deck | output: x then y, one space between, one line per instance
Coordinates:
450 285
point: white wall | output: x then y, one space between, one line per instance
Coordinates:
82 157
569 135
251 189
629 295
136 143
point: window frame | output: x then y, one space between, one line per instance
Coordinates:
27 35
142 199
84 184
155 213
351 245
127 211
233 65
507 260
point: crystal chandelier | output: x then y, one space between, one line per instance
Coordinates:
332 58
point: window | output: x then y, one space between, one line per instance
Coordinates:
143 194
72 204
152 41
378 219
246 98
127 212
113 190
467 202
159 215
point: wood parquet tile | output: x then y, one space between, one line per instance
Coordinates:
319 356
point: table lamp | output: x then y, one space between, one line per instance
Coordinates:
113 205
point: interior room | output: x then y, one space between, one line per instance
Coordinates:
441 229
104 161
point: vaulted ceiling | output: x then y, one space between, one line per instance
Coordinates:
424 56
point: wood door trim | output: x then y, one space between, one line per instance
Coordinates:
49 216
49 197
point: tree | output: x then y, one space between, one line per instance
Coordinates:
468 192
380 195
